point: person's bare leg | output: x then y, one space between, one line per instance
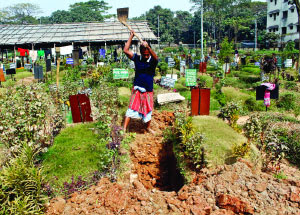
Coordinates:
148 127
126 122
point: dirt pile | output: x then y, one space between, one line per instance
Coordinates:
226 190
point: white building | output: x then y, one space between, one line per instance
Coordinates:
283 19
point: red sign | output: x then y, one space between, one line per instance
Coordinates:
81 108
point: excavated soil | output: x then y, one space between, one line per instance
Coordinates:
156 187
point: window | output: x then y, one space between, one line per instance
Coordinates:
291 27
271 0
274 16
284 14
292 10
270 15
270 30
285 0
297 28
283 30
275 2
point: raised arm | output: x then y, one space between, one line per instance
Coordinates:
152 53
128 44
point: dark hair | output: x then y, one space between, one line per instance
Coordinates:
142 48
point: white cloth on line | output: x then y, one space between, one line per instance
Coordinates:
33 55
65 50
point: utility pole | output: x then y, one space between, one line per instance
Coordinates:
255 35
158 30
202 56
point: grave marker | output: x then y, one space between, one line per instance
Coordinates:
120 73
191 77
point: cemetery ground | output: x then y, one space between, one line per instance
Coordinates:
191 165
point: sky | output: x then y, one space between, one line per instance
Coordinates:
136 7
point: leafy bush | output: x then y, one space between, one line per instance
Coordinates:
287 101
188 145
231 112
163 67
277 136
28 115
205 81
21 185
290 85
180 88
241 150
252 105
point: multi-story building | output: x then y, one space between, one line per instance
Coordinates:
283 19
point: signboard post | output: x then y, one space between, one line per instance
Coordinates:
191 77
120 73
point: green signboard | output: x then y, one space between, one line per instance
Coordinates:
279 61
191 77
120 73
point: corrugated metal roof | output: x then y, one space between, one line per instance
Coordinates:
72 32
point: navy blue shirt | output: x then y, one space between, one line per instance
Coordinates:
144 72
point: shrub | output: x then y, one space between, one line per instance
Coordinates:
188 145
205 81
231 112
290 85
180 88
252 105
21 185
287 101
241 150
28 115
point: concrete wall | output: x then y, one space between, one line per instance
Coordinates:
290 22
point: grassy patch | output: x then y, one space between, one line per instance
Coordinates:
220 138
75 152
233 94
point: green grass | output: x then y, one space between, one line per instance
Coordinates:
234 94
220 138
75 152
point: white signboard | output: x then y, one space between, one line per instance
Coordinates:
288 63
174 76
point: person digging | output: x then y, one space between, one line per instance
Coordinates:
141 101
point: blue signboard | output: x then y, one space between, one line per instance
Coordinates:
70 61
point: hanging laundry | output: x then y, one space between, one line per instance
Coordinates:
33 55
80 53
41 53
23 52
53 52
48 54
267 99
102 53
84 49
65 50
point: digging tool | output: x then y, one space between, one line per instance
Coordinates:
123 16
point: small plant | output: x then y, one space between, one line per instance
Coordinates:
21 185
241 150
280 175
231 112
253 127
